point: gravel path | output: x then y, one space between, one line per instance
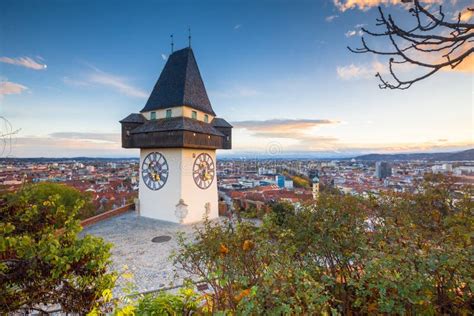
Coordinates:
148 261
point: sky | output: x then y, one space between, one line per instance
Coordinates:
279 71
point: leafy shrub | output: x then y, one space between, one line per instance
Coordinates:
282 211
185 302
68 196
42 260
251 212
397 254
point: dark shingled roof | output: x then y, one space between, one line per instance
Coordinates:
180 83
134 118
177 124
220 122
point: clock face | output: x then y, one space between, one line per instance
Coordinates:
203 171
155 171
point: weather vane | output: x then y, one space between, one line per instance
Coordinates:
172 43
189 36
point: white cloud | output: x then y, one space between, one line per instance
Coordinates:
360 71
331 18
353 33
8 87
350 33
24 62
101 78
117 83
164 56
237 26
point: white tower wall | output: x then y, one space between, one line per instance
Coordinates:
161 204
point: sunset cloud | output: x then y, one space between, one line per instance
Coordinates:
467 65
282 126
466 15
24 62
364 5
290 134
7 87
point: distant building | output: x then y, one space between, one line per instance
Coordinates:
444 168
448 167
288 184
383 169
464 170
280 180
266 171
90 169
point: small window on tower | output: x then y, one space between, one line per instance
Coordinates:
153 116
206 118
194 115
168 113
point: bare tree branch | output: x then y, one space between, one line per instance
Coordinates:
432 44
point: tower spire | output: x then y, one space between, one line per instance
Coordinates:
172 43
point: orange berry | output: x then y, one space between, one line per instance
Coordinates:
223 249
248 244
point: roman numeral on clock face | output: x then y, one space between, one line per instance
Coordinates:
155 171
203 171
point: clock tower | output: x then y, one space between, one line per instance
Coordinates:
178 134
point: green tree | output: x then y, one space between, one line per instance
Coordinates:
42 259
68 196
282 211
407 253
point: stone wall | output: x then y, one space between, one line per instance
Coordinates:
103 216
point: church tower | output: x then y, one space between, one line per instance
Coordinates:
178 134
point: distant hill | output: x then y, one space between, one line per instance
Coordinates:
449 156
452 156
